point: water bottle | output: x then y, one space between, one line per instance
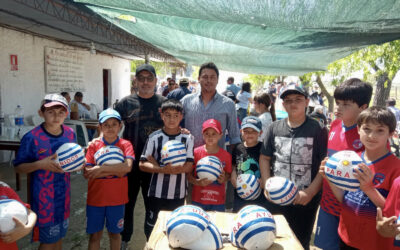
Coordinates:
2 125
19 118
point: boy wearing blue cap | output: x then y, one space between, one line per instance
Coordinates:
108 184
245 159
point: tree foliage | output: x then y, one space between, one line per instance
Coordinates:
257 81
162 68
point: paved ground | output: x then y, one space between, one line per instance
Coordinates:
77 238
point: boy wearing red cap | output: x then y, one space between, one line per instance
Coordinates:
207 194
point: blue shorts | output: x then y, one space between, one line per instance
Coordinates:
51 234
208 207
112 215
326 235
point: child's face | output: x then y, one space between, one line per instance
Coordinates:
347 110
374 136
54 116
211 137
295 104
171 118
259 107
110 128
250 135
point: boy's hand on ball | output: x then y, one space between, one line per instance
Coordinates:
49 163
17 233
204 182
221 178
322 167
364 175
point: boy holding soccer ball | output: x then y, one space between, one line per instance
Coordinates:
50 185
245 157
380 167
207 194
168 183
108 183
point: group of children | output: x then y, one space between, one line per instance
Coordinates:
293 148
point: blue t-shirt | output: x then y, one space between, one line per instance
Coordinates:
50 192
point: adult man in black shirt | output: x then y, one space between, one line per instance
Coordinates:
141 117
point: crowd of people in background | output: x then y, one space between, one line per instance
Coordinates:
245 138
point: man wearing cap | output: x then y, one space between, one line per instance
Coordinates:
390 104
208 104
180 92
141 117
294 148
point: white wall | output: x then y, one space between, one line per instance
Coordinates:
27 85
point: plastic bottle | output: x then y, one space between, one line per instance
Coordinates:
2 126
115 103
19 118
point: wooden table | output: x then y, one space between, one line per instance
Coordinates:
12 145
285 238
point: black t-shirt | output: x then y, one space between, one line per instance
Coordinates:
141 118
296 152
246 159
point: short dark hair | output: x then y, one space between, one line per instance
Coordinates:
78 94
391 102
172 104
64 93
209 65
184 82
354 90
378 115
231 79
246 86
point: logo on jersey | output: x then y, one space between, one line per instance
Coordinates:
357 144
378 179
331 135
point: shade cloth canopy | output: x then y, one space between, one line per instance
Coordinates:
279 37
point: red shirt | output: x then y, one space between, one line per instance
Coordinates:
392 208
7 193
110 190
340 138
357 224
213 194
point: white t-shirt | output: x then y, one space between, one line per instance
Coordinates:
266 120
243 98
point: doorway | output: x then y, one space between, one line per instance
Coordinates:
106 88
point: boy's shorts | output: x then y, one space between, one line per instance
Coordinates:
51 234
326 234
113 215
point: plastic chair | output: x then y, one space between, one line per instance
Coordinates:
80 131
93 111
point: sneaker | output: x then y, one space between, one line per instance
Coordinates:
124 245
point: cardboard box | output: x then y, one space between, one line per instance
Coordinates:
285 238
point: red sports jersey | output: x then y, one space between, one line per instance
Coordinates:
7 193
213 194
392 208
110 190
340 138
357 225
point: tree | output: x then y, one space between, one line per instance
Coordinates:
307 78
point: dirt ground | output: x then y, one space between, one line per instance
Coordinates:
76 238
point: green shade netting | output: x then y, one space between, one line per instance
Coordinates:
260 37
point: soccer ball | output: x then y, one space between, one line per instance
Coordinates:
248 187
340 167
173 152
71 157
8 209
210 239
280 190
109 155
209 167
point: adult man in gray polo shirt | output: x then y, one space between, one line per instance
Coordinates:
207 104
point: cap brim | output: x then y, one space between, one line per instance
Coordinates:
137 73
292 91
105 118
216 129
52 104
251 126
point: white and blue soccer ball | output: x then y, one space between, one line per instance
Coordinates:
109 155
10 208
71 157
280 190
173 152
248 187
253 228
185 225
209 167
339 170
210 239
